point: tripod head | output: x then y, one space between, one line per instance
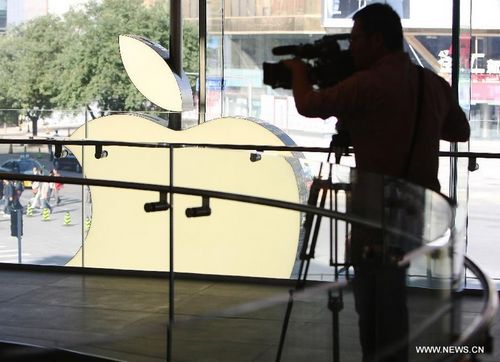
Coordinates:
339 144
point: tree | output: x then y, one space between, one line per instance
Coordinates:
7 52
90 67
73 61
26 60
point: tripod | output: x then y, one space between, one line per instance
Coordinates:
320 189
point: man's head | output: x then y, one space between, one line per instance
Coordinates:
377 31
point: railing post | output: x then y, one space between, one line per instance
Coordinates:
202 96
455 77
19 215
171 256
175 61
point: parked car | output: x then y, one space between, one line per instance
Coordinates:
68 162
22 165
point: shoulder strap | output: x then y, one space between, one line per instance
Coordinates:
416 124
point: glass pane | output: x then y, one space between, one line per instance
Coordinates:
191 57
117 215
111 235
57 75
318 321
484 119
215 59
240 39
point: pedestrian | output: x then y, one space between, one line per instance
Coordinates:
45 192
2 199
57 187
18 191
8 197
35 186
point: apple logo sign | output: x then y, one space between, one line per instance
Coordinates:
237 238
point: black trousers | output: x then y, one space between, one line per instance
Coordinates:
380 301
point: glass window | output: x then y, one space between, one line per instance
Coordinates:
76 40
484 184
3 14
428 39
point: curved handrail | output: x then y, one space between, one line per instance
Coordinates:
349 150
479 327
468 337
164 189
166 145
482 322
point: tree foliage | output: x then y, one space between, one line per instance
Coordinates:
73 61
26 57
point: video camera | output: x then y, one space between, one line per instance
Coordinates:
332 62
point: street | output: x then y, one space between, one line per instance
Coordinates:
49 240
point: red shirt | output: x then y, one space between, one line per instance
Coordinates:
377 106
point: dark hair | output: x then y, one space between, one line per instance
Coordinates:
381 18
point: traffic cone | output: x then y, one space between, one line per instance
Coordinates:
88 223
29 210
67 218
46 214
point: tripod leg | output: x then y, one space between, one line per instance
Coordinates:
335 304
335 336
284 328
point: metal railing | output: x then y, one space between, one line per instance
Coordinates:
479 326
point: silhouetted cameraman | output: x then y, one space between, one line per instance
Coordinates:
377 104
395 113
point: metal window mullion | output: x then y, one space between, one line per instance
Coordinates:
455 72
202 96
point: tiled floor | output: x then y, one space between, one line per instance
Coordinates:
125 317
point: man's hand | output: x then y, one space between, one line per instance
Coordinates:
301 85
296 66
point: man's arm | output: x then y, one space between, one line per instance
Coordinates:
335 101
456 126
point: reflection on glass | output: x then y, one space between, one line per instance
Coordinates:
347 8
484 120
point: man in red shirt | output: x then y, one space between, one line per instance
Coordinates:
377 104
378 107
